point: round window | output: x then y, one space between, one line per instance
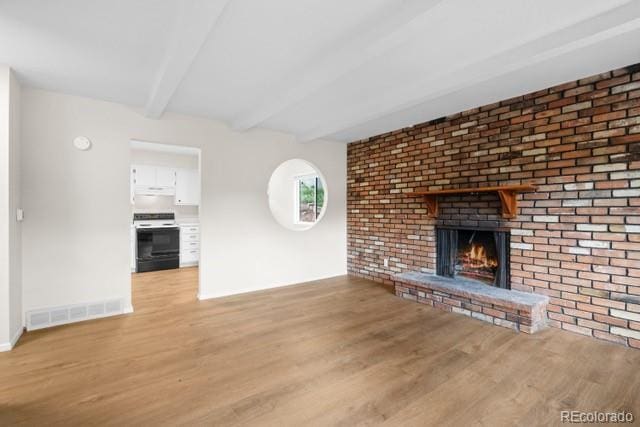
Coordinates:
297 195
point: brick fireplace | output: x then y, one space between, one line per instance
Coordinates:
575 240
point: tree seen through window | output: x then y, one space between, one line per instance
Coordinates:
310 198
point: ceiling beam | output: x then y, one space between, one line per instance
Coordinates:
596 29
195 23
351 52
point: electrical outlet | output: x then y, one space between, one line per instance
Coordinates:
386 262
19 215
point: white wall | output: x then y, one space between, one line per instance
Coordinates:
15 202
164 203
174 160
76 232
5 334
11 323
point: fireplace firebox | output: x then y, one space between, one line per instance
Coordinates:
477 254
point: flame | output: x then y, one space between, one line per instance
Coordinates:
477 257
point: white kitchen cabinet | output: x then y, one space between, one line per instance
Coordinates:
187 229
132 186
189 245
189 258
165 177
187 187
154 180
144 175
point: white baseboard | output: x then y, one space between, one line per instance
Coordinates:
223 294
7 346
17 336
189 264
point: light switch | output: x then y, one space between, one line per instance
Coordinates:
19 215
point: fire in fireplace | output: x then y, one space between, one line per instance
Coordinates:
477 257
477 254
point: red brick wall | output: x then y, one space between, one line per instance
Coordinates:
577 239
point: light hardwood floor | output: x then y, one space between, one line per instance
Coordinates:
342 351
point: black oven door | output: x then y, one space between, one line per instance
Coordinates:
158 248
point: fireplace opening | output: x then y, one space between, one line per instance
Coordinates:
481 255
477 257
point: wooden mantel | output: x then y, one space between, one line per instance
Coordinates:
507 194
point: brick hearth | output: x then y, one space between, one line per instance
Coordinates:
576 239
522 311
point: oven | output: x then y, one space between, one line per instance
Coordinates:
157 249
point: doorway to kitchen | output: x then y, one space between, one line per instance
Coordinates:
165 220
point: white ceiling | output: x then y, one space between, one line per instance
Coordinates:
330 69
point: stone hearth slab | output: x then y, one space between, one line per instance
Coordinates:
518 310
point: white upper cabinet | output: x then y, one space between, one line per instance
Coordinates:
165 177
153 180
144 175
183 184
132 185
187 187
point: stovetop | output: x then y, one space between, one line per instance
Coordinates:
154 220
